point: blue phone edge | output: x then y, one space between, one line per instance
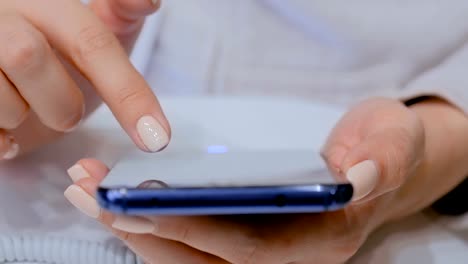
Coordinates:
312 198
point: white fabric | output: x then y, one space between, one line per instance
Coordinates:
325 50
37 224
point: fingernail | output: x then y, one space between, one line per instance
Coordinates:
363 176
135 225
83 112
77 172
155 2
82 201
73 128
12 152
152 134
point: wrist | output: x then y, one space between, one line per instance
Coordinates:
445 161
446 127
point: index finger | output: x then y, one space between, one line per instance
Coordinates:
96 52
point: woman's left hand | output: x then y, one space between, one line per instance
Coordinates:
379 143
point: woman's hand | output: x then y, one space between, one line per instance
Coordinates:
378 146
56 55
280 239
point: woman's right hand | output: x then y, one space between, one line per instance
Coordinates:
54 52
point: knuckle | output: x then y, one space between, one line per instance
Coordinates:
24 52
335 154
91 40
400 158
129 95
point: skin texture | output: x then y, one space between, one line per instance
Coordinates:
416 149
52 75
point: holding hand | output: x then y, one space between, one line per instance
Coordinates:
50 49
378 145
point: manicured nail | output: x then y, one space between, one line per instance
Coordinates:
152 134
133 224
363 176
83 113
73 128
155 2
12 152
77 172
83 201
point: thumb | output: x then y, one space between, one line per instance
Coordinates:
380 163
124 17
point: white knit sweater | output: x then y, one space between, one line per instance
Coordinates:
328 50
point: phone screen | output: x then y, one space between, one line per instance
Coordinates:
219 167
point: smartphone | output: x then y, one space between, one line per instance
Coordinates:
217 181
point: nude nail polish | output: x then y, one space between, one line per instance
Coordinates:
82 201
364 177
83 113
133 224
77 172
12 152
152 134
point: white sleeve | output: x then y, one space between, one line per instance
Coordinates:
146 42
448 80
